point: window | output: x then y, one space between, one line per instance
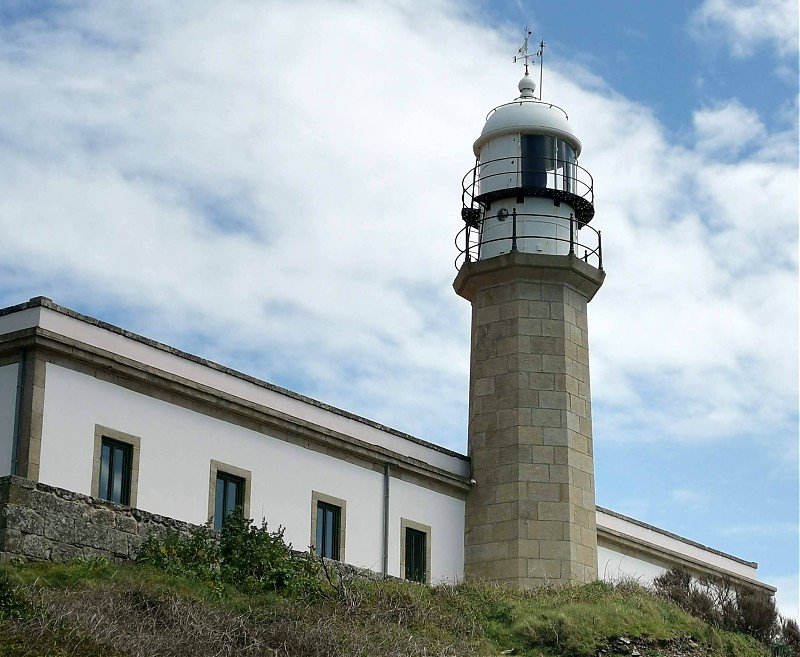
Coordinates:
115 467
548 162
115 471
229 495
536 159
415 551
228 487
329 518
415 555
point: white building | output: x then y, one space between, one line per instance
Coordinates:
70 383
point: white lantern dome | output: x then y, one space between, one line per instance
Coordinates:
527 115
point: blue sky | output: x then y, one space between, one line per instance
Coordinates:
276 186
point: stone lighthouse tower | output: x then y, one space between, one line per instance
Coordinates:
530 264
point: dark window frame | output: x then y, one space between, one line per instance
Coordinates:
327 512
416 555
116 449
221 501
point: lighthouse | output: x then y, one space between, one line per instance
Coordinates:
529 263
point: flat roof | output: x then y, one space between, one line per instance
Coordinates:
682 539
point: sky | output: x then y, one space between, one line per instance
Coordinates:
276 186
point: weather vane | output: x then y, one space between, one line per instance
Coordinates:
529 59
522 53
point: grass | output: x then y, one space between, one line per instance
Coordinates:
92 608
581 620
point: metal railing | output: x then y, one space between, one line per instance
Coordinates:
535 176
584 241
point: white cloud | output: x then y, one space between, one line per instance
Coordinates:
745 24
334 259
702 290
279 184
727 129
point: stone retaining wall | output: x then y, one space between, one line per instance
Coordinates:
44 523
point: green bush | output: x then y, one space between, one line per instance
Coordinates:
196 555
243 555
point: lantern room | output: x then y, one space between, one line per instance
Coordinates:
527 191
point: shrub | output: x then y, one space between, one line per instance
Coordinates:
677 584
249 557
196 555
254 559
757 614
718 602
789 637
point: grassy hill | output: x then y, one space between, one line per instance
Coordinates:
244 592
91 608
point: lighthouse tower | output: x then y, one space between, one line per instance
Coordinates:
529 264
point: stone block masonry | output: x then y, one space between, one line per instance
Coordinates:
43 523
530 518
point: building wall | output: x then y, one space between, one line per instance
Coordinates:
613 566
445 516
178 444
626 560
8 401
216 377
623 563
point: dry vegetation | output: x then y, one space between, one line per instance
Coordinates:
89 609
244 593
